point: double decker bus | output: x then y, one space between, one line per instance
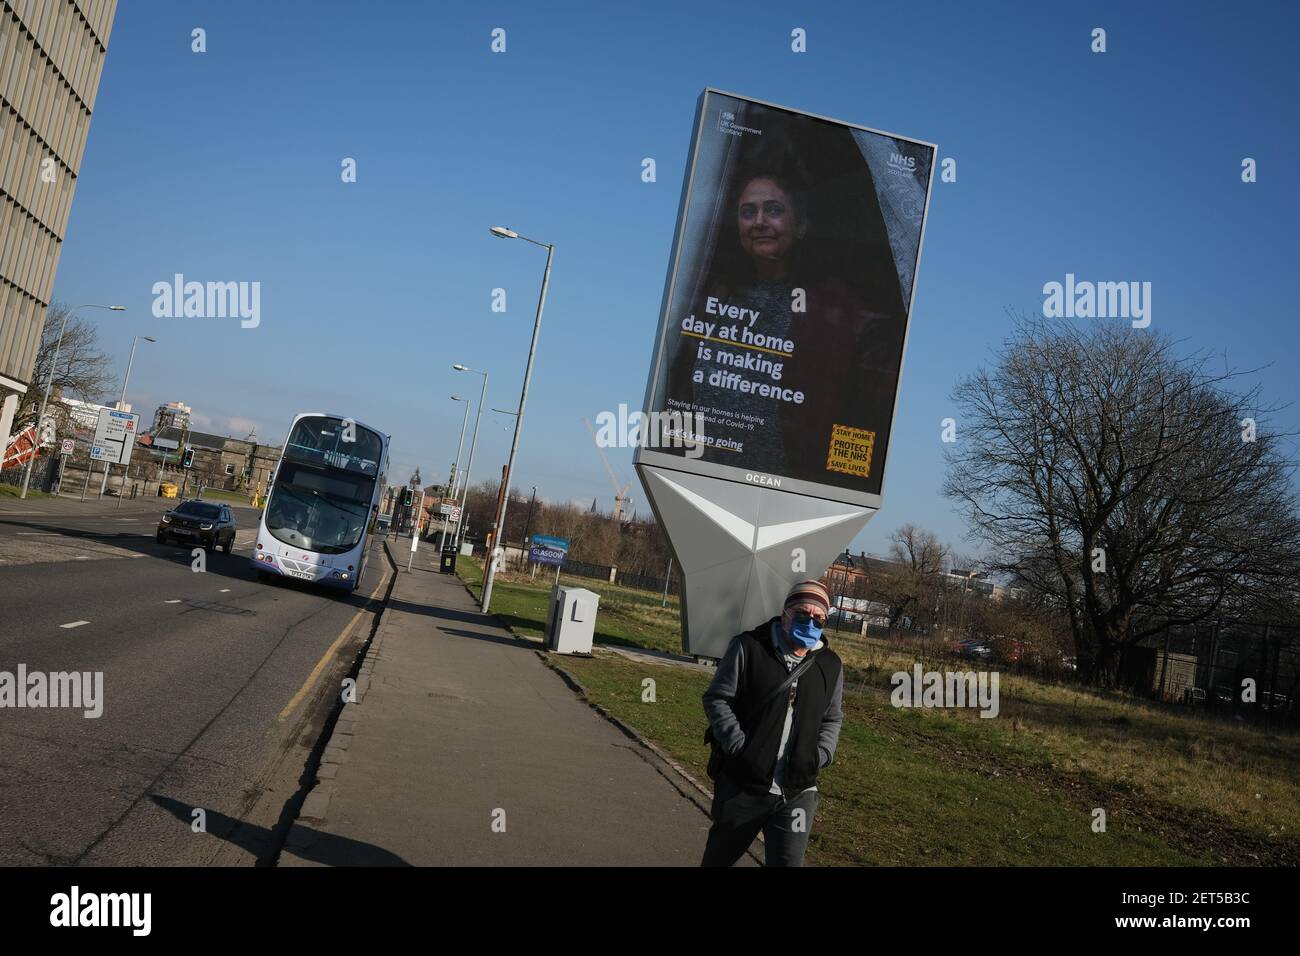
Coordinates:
324 493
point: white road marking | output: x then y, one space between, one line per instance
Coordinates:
174 601
82 557
72 624
225 590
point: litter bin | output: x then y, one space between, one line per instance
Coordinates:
448 563
572 622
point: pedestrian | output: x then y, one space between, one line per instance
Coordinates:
775 710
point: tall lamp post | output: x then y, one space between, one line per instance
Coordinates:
49 381
469 468
122 403
528 524
499 535
455 477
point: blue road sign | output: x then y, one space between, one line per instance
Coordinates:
548 550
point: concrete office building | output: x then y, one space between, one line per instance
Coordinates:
51 57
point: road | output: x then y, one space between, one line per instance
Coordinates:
216 687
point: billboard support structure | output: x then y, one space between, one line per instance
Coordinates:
780 340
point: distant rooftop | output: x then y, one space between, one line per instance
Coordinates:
170 437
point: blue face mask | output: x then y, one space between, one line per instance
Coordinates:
804 631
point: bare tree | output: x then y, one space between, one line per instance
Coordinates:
83 370
1130 487
909 588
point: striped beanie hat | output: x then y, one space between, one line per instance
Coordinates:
809 592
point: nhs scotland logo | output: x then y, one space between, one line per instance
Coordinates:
901 163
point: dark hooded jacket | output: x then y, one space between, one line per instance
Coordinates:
751 668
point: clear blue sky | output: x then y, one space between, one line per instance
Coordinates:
225 166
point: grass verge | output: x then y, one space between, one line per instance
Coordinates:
13 491
947 787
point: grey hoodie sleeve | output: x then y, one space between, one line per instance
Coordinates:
829 734
721 695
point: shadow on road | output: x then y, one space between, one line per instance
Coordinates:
225 565
234 566
493 638
324 848
442 613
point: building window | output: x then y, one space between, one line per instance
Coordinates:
230 469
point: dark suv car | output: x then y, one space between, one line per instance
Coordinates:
206 523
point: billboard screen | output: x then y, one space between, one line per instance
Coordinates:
787 303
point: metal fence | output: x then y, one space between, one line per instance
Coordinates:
645 582
43 471
608 574
1240 669
626 579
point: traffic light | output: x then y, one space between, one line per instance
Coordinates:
407 498
187 460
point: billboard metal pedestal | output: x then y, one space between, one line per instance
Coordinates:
742 547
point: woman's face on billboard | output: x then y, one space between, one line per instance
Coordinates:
769 225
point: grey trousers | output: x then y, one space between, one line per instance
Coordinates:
739 814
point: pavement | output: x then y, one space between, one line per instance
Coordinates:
465 748
216 688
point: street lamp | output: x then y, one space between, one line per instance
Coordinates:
49 381
469 468
134 342
455 477
121 406
499 532
460 447
528 525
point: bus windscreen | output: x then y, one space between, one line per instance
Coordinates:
318 510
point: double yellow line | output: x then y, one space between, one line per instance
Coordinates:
321 664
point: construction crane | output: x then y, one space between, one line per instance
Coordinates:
621 501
